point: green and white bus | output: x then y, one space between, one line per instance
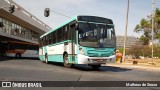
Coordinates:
80 40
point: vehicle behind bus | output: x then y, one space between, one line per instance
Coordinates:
81 40
19 49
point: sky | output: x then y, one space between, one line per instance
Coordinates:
113 9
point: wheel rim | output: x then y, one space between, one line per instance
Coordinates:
66 61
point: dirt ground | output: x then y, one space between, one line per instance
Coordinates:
145 62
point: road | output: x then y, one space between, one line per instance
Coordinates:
35 70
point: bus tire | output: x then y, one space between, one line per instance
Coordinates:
18 55
66 61
95 66
46 58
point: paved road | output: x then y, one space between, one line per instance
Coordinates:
35 70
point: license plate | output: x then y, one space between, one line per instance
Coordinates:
99 60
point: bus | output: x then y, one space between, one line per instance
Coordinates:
20 49
80 40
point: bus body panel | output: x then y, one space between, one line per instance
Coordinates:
10 54
83 59
30 53
26 53
45 50
91 55
55 58
55 52
77 53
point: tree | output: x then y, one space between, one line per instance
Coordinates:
156 51
135 50
121 50
144 50
145 26
144 39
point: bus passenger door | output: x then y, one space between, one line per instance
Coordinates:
73 41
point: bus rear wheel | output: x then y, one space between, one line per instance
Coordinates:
18 55
66 61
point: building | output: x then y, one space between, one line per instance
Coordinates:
130 41
19 25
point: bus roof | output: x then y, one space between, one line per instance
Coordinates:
68 21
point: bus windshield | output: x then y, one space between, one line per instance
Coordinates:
96 35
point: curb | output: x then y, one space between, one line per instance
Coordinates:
131 66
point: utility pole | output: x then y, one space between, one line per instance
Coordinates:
125 37
153 12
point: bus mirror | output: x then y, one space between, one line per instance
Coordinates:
77 26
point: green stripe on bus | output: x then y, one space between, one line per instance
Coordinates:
59 58
60 43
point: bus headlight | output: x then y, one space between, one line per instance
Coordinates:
81 51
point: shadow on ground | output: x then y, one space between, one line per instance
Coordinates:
102 68
77 67
2 58
11 58
89 68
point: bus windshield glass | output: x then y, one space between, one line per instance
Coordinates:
96 35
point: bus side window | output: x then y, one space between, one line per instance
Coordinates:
63 33
59 35
66 32
50 38
54 37
46 40
34 47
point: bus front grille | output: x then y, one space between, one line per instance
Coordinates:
99 54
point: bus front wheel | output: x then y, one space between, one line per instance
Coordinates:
66 61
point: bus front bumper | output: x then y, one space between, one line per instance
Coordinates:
82 59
